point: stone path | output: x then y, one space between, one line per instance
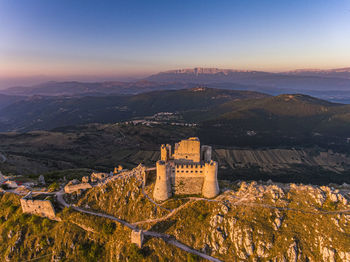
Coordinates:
173 212
167 238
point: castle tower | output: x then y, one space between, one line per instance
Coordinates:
188 150
165 152
137 237
210 186
206 152
162 188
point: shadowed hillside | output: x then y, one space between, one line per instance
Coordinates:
49 112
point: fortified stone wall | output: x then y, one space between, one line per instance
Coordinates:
74 188
189 170
187 185
188 150
42 208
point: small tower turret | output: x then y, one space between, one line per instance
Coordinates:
206 152
162 188
165 152
210 186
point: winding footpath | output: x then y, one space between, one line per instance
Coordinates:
167 238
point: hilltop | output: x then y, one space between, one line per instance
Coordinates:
247 221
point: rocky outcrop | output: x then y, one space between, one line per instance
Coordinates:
275 222
252 222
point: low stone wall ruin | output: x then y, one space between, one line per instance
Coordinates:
42 208
70 188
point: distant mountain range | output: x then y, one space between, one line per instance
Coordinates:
333 84
339 72
313 82
230 74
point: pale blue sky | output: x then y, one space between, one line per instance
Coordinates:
136 38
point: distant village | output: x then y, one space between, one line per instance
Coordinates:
160 118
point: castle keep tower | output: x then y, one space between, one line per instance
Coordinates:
210 185
189 170
162 188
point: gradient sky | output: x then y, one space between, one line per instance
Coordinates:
66 38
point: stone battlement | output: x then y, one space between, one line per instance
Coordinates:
190 165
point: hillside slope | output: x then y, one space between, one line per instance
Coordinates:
75 88
281 120
50 112
6 100
247 222
101 147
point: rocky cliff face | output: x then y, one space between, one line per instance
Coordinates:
248 221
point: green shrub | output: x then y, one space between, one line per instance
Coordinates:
34 220
13 209
43 243
90 251
201 217
135 253
54 187
4 186
192 257
46 224
23 218
108 228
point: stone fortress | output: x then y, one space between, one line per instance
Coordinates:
187 170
